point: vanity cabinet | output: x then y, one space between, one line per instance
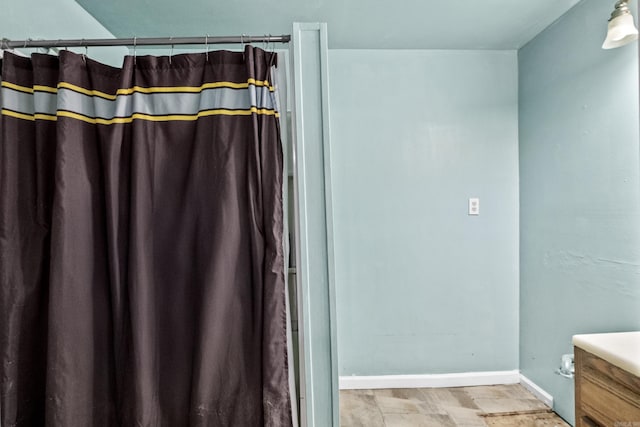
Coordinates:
607 384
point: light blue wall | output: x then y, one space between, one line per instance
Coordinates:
579 193
59 19
421 286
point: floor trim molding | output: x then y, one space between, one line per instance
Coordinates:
537 391
466 379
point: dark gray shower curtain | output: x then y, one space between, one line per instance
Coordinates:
141 255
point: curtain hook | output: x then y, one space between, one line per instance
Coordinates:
26 42
206 47
242 45
135 54
86 50
171 52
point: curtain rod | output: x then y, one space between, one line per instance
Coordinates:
142 41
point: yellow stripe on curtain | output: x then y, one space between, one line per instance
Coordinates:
168 89
167 118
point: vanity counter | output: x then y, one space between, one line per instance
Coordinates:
607 381
621 349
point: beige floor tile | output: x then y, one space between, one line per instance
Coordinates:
356 392
463 398
441 407
393 405
513 391
532 420
483 392
465 417
492 406
418 420
440 399
400 393
404 401
359 410
517 391
503 398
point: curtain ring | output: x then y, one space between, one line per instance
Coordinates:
242 45
25 42
206 47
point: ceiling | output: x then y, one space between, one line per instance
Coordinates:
353 24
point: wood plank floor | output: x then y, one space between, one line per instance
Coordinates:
501 405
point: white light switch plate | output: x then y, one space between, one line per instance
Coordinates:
474 206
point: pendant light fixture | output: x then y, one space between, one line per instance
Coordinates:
621 30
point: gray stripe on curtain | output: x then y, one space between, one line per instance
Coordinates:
164 104
45 103
29 103
126 105
18 101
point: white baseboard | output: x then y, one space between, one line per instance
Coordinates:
537 391
467 379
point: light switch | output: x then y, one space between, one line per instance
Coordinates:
474 206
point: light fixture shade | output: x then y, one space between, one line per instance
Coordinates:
621 31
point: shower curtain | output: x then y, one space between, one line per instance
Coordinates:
141 247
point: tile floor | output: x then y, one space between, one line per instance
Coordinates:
437 407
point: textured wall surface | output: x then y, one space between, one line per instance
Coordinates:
60 19
580 201
422 287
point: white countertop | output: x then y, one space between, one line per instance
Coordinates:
621 349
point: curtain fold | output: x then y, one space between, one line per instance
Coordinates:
141 248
